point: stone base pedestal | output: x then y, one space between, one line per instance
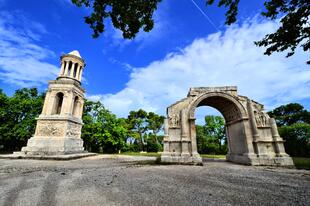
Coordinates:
181 159
53 146
262 160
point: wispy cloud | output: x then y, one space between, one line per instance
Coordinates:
228 58
22 58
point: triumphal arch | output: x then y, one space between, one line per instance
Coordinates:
253 137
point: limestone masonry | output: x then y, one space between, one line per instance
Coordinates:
58 130
252 135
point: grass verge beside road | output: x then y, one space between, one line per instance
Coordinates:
302 162
148 154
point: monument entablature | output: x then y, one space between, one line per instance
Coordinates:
252 135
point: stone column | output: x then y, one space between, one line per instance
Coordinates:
51 103
166 137
66 69
72 69
62 68
80 74
253 124
193 137
184 133
67 104
275 135
46 103
81 108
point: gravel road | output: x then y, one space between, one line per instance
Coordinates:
124 180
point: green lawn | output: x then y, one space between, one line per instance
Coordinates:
149 154
155 154
302 162
213 156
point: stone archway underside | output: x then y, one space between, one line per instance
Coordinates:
253 137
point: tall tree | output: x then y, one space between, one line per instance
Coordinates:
131 16
211 136
297 139
18 117
290 114
215 127
155 123
294 126
137 122
102 130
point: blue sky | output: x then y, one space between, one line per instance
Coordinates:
186 48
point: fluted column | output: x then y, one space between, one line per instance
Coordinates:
66 69
253 124
275 135
62 69
46 103
81 108
166 137
78 71
72 69
193 137
80 74
184 133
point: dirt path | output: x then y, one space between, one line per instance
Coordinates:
123 180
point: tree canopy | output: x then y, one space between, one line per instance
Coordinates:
17 117
132 16
211 137
294 126
290 114
102 131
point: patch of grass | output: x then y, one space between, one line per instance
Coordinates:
302 162
213 156
148 154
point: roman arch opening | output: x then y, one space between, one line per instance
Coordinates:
252 135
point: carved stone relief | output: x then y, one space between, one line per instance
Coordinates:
174 120
50 128
73 130
261 119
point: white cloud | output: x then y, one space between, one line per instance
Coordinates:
22 59
228 58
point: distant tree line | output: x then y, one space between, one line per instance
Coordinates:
102 130
141 131
293 124
211 137
294 127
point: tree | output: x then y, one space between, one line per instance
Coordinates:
137 123
17 116
294 28
131 16
211 137
297 139
102 130
290 114
215 127
155 123
128 16
294 126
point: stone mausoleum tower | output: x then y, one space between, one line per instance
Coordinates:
58 130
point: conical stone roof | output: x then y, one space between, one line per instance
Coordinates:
76 53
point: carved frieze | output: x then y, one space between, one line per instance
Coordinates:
174 120
50 128
261 119
73 130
